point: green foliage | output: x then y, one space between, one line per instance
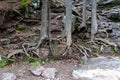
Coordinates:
32 61
20 28
113 50
35 63
98 48
3 63
46 60
27 59
25 2
82 62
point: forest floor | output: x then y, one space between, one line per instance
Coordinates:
12 39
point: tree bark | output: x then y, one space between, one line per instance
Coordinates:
83 14
44 22
68 22
94 26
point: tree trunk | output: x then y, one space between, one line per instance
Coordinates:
94 26
68 22
44 22
83 14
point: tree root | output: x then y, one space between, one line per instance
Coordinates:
105 41
27 47
32 47
14 53
104 30
84 50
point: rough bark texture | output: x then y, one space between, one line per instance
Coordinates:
94 19
84 15
68 21
44 21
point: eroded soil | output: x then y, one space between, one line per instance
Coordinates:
16 38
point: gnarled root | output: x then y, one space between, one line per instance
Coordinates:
27 47
14 53
84 50
107 42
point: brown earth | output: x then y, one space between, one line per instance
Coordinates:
17 38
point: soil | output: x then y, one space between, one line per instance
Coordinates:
21 70
32 29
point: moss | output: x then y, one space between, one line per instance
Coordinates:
20 28
32 61
3 63
113 50
27 59
98 48
47 60
82 62
35 63
25 2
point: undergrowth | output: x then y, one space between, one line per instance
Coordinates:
3 63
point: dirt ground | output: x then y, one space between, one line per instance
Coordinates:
14 39
21 70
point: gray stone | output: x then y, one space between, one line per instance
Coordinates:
49 73
8 76
106 50
96 74
101 68
37 70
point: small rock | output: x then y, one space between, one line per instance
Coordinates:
49 73
96 74
100 68
106 50
37 71
8 76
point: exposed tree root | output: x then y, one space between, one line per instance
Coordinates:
105 41
105 31
65 52
83 50
14 53
33 47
